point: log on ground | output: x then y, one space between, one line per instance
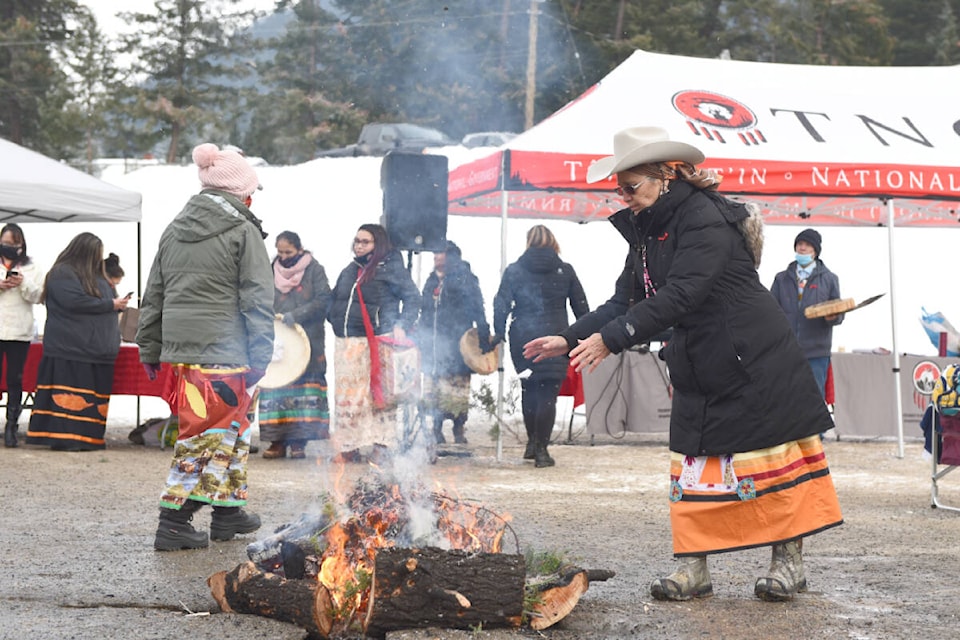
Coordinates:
246 589
430 587
557 594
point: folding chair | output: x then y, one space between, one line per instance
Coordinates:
946 415
948 459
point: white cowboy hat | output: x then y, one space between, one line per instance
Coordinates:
479 362
291 355
642 145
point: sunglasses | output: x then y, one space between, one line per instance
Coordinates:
631 189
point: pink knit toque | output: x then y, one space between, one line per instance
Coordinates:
225 170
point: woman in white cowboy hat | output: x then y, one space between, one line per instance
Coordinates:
747 465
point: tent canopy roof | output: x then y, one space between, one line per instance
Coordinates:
35 188
813 144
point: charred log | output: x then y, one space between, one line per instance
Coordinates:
430 587
246 589
554 596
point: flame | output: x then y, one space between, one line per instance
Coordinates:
379 515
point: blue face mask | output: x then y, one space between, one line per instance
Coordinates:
803 259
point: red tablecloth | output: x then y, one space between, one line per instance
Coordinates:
129 378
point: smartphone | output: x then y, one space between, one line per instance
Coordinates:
129 295
10 274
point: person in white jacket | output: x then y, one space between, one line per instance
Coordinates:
20 288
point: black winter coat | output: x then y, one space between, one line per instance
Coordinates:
450 307
740 380
79 326
535 290
308 304
815 335
391 299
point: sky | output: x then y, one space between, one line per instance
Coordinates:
106 11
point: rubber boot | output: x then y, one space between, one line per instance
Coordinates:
229 521
785 578
458 428
690 580
175 531
14 407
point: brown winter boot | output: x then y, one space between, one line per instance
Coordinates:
785 577
690 580
277 449
298 449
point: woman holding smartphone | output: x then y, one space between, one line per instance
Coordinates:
20 289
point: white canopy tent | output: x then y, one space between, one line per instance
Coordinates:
35 188
815 145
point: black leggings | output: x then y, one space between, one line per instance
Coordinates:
539 403
15 352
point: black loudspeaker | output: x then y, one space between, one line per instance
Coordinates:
415 200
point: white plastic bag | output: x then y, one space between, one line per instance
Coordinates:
935 324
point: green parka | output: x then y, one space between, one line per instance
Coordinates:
209 297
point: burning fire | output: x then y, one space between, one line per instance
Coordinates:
338 547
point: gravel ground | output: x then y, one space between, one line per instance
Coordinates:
77 532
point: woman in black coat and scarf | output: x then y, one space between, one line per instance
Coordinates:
747 465
375 280
295 413
535 290
452 304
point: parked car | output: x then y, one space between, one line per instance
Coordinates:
487 139
376 139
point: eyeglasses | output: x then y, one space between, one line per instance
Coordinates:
631 189
361 241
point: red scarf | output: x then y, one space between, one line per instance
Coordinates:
287 279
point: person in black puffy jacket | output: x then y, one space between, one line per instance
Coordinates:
534 290
747 465
377 277
452 304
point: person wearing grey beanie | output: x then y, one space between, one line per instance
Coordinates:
805 282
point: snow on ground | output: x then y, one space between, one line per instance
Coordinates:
326 199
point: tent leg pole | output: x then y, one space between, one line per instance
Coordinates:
891 222
504 208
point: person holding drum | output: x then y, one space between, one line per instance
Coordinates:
452 304
806 282
747 467
297 412
374 296
207 311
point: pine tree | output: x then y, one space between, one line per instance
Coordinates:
188 55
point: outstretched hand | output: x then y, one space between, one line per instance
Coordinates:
588 354
546 347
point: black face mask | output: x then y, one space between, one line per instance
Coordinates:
286 263
9 251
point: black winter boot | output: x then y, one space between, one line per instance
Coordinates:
438 428
229 521
541 458
175 531
458 428
14 407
